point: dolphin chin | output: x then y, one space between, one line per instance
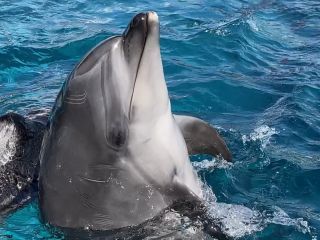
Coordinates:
113 155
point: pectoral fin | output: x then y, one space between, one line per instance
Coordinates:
202 138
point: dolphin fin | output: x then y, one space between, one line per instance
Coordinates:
200 137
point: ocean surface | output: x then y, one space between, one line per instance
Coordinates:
250 68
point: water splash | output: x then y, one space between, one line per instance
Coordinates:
279 216
8 139
210 165
262 134
238 220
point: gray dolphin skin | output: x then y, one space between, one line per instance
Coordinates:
113 155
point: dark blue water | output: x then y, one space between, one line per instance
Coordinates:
251 68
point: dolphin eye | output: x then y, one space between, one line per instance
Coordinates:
137 19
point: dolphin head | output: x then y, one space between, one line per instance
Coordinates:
122 80
113 151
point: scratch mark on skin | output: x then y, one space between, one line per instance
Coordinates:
110 179
94 180
76 98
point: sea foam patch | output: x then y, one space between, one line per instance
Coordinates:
8 139
211 164
262 133
238 220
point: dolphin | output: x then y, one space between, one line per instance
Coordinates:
113 155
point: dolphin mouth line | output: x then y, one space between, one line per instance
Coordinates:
138 67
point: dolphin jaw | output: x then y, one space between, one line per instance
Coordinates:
150 95
153 17
151 38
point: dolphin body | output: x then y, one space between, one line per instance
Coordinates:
113 155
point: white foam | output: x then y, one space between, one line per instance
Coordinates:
210 165
262 133
98 21
279 216
253 25
238 220
119 7
44 112
8 139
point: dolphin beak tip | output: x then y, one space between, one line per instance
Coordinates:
153 17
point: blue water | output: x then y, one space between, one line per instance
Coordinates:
251 68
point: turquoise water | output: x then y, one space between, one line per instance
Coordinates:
252 69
